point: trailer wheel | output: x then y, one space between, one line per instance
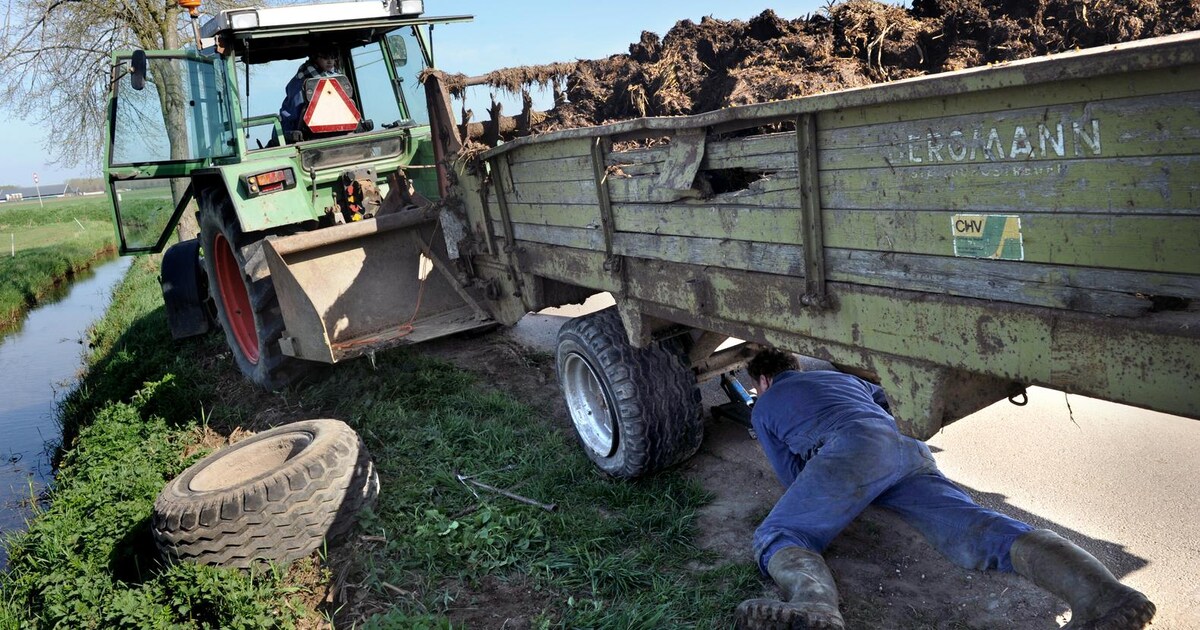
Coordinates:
636 410
274 496
248 310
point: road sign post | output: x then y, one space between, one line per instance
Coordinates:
38 187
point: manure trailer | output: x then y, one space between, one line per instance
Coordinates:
955 238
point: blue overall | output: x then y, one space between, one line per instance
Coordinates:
837 450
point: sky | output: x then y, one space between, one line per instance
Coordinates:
503 34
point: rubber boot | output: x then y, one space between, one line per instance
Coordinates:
811 597
1097 600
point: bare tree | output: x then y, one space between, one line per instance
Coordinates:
55 55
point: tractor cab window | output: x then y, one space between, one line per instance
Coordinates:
379 104
263 92
168 117
365 97
283 97
177 115
408 61
261 95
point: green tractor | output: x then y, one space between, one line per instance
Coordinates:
319 229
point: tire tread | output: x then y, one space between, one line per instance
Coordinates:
655 393
292 519
274 369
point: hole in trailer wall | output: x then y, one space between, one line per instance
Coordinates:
728 180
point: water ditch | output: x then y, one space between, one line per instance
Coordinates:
39 362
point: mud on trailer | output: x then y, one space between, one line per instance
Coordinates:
956 237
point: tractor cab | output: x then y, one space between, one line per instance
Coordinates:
323 71
248 111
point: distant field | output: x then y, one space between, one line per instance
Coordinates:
94 207
41 246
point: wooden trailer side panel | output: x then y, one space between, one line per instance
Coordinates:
1029 231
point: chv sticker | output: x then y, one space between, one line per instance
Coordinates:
996 236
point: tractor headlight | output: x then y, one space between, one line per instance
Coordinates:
243 19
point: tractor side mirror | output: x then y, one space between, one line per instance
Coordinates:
399 50
138 75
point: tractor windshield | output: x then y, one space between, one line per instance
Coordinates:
377 80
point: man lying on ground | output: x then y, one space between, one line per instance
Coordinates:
835 446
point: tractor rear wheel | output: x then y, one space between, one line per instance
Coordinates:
636 410
247 309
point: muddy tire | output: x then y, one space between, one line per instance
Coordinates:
247 309
185 291
274 496
635 411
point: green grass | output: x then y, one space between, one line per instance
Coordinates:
57 210
612 555
87 558
86 561
40 247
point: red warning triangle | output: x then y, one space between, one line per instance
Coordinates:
331 109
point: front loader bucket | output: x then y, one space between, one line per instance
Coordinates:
352 289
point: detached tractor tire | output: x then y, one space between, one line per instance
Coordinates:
275 496
636 410
247 309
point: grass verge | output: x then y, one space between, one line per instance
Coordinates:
40 247
86 560
434 552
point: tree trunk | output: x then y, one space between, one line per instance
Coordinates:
188 226
173 97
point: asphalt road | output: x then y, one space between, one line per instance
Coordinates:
1121 482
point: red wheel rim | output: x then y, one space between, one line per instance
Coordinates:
235 299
